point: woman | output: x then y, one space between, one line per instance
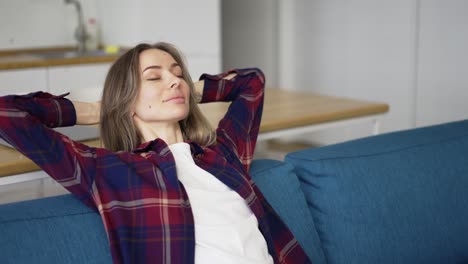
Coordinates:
168 188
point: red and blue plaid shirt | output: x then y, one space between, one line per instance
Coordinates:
145 209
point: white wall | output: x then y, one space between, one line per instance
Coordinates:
249 36
26 24
442 86
411 54
193 25
360 49
40 23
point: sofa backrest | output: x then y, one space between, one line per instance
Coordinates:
395 198
52 230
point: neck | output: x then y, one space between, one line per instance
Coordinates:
170 133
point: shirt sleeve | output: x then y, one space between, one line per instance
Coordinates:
239 128
26 122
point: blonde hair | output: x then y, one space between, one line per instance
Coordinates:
118 131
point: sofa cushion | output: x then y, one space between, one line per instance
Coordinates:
395 198
58 229
280 186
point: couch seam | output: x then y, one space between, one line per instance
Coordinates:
380 153
269 168
314 222
43 218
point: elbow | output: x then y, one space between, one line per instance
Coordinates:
260 76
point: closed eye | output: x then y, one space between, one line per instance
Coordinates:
153 79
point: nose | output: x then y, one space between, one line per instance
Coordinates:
175 81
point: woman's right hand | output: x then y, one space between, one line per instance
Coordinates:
87 113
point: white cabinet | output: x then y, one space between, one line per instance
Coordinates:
27 186
23 81
84 82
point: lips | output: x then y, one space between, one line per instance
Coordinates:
175 100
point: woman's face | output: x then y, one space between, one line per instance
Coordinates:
163 95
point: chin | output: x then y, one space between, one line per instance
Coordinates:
182 116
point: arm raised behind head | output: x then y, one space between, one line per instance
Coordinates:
87 113
200 84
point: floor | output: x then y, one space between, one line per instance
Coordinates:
48 187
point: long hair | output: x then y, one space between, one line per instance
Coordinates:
118 131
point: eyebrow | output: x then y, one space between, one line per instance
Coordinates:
173 65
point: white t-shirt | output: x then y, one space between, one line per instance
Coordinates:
226 230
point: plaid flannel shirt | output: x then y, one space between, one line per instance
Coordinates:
145 209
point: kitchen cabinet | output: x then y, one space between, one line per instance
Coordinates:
23 81
84 83
27 186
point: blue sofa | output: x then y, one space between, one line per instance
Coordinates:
400 197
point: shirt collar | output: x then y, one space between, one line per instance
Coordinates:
149 146
157 145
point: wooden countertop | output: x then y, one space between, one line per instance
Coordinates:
31 58
287 109
282 109
12 162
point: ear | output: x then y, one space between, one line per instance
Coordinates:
132 110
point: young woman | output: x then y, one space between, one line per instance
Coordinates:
169 189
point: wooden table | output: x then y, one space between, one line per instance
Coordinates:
286 113
289 113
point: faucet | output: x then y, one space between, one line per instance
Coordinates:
80 32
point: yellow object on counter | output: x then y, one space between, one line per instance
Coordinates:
111 49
